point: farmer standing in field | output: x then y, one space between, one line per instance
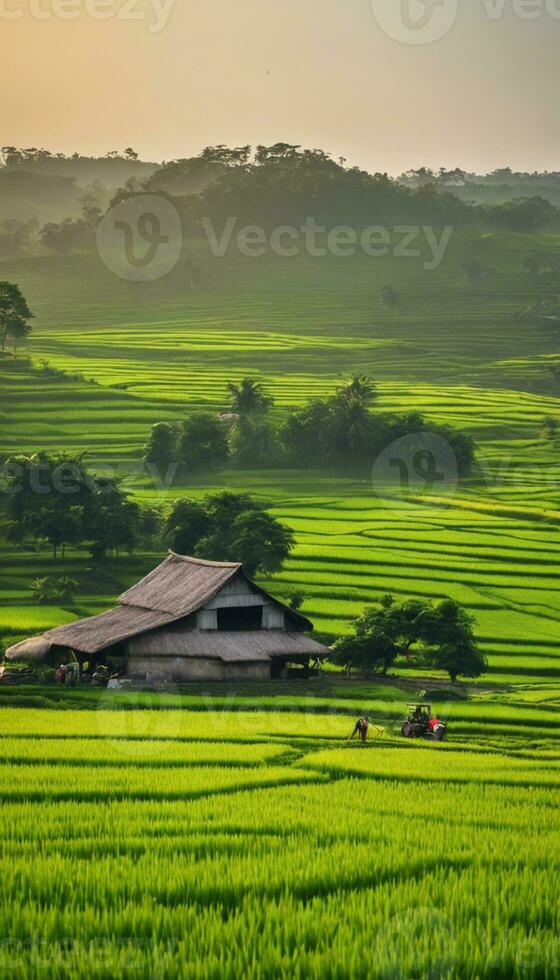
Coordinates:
361 729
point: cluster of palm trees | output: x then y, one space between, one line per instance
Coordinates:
337 429
250 400
338 432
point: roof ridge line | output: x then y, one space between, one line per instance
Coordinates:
204 561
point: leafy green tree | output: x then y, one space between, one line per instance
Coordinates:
203 443
160 451
186 522
338 431
441 634
56 500
229 527
256 539
462 443
46 497
382 634
223 508
367 651
550 427
277 152
150 525
14 314
448 635
522 214
16 237
60 525
113 522
254 443
305 434
222 154
72 234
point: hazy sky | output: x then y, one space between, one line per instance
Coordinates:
317 72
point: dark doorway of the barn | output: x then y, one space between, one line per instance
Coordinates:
240 618
278 668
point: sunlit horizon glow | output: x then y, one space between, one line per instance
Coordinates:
320 73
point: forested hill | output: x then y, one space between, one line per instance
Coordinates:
270 185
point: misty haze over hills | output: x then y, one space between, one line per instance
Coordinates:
268 184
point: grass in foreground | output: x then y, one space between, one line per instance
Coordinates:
255 855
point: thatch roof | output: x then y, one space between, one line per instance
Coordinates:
96 632
179 586
244 645
31 651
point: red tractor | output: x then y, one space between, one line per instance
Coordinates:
422 724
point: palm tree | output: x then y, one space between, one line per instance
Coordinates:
350 429
359 388
249 399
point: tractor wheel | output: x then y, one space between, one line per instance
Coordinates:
406 730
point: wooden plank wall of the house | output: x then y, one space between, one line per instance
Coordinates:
237 594
184 669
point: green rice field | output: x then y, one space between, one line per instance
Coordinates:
220 843
138 353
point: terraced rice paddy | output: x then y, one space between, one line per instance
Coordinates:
158 351
260 852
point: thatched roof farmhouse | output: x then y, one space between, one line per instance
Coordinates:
188 619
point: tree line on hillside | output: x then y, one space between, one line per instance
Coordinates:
497 187
56 501
339 432
283 184
273 185
39 187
